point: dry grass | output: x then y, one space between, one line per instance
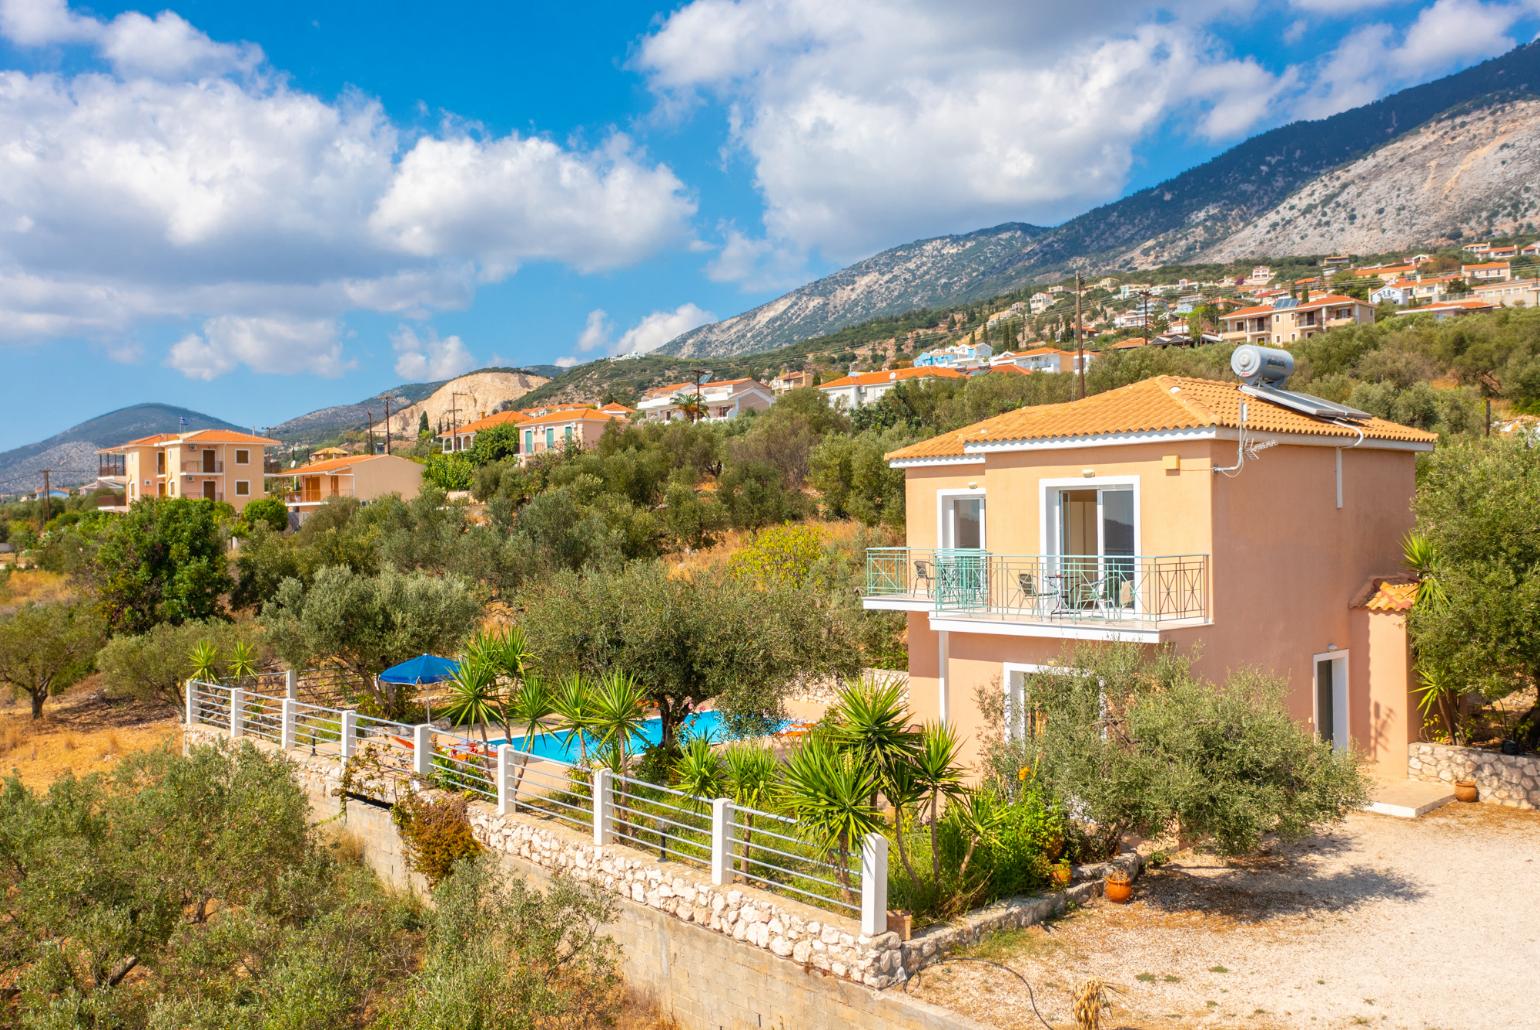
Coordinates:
24 586
81 732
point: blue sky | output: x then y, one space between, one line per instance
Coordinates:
257 209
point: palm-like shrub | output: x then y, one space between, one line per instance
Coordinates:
573 710
474 695
204 660
700 771
619 706
829 792
243 661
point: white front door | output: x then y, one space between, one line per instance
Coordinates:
1331 698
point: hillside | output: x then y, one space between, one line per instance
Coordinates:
71 455
466 397
1214 209
327 423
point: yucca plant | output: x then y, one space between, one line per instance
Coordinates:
243 661
936 774
204 660
829 791
573 708
1421 556
870 721
700 770
510 653
474 695
619 709
752 774
528 707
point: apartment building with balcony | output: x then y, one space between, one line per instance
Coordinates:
720 400
859 389
1287 320
213 464
1487 272
566 426
1174 511
366 477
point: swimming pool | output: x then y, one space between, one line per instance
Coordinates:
564 746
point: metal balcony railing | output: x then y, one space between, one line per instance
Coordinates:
109 466
1075 587
202 469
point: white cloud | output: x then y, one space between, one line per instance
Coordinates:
429 358
647 335
656 329
1372 60
566 362
167 192
270 345
872 122
756 264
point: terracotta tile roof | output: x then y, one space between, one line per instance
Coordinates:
574 415
673 388
1011 367
227 436
145 441
487 422
893 375
1158 404
1132 343
330 465
1388 594
1482 266
616 408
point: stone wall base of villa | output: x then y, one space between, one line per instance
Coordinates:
1512 781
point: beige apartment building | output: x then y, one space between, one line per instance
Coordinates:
212 464
366 477
1289 321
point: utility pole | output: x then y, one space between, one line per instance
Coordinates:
45 496
387 423
1079 339
1144 304
369 430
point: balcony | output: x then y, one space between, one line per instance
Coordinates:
1124 591
206 469
110 466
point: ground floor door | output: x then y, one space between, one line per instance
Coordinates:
208 490
1331 698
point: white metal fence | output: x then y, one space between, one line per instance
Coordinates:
733 843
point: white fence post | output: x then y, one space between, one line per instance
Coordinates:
286 724
237 703
192 703
874 884
505 798
290 684
722 843
422 751
349 733
604 806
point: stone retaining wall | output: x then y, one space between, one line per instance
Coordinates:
1512 781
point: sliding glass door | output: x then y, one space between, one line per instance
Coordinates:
1092 544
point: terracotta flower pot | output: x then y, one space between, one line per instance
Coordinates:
1119 892
1465 790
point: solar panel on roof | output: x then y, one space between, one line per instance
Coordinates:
1285 302
1305 404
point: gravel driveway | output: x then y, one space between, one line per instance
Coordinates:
1383 922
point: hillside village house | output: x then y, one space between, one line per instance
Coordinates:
1530 249
567 426
863 388
1445 309
1153 514
1287 321
722 399
961 356
462 438
1040 359
214 464
1506 252
366 477
789 381
1514 293
1487 272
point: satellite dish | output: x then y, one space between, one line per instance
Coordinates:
1262 366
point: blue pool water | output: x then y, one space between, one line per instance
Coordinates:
564 746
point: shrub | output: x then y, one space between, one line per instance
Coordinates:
436 832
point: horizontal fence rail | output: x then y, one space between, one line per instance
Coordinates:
734 843
1037 587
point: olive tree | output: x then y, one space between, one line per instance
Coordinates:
47 647
155 665
367 623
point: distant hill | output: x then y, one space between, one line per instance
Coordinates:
71 455
1440 162
461 399
328 423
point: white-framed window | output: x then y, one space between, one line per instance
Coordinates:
242 457
960 519
242 488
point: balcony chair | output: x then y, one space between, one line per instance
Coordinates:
922 575
1034 593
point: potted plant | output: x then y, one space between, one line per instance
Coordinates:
1061 872
1465 790
1119 886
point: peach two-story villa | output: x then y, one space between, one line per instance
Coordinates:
1172 511
213 464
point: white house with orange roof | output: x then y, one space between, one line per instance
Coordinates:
1040 359
1287 320
1515 293
1453 308
365 477
789 381
1487 272
213 464
720 400
463 438
1217 518
862 388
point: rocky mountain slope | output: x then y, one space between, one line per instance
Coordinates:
327 423
70 456
1221 207
1470 174
464 398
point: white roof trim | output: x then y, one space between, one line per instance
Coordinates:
1089 440
953 459
975 450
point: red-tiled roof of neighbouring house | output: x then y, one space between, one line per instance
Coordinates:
487 422
330 465
574 415
145 441
673 388
1011 367
226 436
1388 594
1483 266
616 408
1132 343
893 375
1158 404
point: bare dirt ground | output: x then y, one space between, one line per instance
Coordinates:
81 731
1427 923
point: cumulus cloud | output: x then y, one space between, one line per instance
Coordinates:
179 188
272 345
565 362
871 122
647 335
430 357
756 264
1375 59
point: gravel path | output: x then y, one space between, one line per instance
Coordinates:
1427 923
